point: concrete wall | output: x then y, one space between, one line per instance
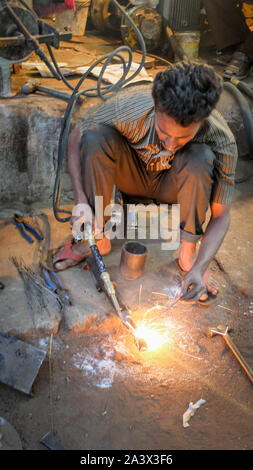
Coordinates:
29 134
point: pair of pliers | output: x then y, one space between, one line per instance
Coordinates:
23 226
55 285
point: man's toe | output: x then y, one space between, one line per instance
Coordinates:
204 297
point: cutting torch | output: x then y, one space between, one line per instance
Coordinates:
123 314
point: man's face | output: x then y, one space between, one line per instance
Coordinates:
172 135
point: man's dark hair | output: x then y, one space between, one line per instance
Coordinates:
187 92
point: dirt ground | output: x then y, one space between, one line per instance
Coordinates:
96 391
107 395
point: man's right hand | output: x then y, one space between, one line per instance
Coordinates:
81 214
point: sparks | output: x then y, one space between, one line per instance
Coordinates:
152 337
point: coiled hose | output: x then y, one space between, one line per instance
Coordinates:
100 91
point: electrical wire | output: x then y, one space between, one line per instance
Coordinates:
101 91
157 57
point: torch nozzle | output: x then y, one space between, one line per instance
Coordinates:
128 322
141 344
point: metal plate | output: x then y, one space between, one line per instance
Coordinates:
51 443
19 363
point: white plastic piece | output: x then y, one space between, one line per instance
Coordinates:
191 411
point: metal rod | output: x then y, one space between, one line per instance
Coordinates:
239 356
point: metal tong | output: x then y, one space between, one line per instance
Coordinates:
55 285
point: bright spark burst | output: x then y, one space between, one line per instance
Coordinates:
152 336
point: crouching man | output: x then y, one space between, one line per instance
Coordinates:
164 142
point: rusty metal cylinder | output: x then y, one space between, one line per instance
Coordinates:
132 262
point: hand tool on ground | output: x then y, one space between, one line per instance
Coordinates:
123 313
23 227
223 331
33 86
20 363
55 285
36 290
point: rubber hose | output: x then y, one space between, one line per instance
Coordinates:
243 87
99 91
245 111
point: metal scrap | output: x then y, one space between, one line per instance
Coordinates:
51 443
19 363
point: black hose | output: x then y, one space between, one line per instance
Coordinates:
246 117
245 111
243 87
100 91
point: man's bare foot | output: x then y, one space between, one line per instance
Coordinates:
73 253
211 285
186 261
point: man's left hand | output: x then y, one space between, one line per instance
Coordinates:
194 287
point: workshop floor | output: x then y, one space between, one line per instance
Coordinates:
95 390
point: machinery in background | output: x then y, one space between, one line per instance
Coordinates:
105 15
150 24
107 18
150 16
21 33
181 15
